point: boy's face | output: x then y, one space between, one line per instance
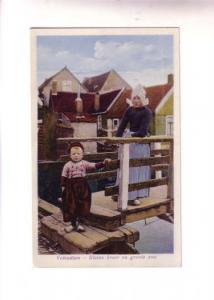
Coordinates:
76 154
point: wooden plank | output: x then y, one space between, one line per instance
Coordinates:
103 223
114 190
130 237
118 140
99 156
112 236
160 167
104 212
97 237
99 216
101 175
115 164
136 162
141 215
160 152
147 161
50 162
90 241
113 155
72 242
80 241
132 231
113 173
47 208
104 218
147 203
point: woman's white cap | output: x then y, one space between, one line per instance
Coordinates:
140 92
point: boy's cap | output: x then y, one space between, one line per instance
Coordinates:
75 144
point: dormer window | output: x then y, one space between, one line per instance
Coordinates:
66 86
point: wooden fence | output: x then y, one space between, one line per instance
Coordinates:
160 159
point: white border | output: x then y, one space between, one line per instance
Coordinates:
194 280
167 260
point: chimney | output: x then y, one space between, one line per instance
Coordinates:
79 105
170 79
97 102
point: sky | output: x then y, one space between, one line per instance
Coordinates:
140 59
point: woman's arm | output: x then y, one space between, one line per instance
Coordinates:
144 127
123 123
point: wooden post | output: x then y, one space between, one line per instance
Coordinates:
158 174
109 127
170 191
123 177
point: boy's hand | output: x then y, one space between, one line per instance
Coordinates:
107 160
63 188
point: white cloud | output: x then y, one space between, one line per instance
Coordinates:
147 77
149 48
106 50
62 53
137 62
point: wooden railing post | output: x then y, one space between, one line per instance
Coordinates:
123 177
158 174
170 191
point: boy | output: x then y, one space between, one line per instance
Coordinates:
76 193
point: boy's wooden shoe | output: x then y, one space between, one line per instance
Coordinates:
80 228
68 228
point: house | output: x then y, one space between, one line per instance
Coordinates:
161 103
63 81
112 106
105 82
74 111
164 115
89 114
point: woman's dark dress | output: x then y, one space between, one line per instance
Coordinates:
139 120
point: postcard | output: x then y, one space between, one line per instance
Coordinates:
106 147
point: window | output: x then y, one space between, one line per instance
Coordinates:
169 125
54 87
115 123
99 122
66 86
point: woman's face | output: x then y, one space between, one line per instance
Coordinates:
136 101
76 154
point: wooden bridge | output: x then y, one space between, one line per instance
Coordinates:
106 227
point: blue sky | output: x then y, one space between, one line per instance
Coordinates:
145 59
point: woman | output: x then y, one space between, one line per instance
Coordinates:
138 116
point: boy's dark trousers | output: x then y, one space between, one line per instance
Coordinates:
76 200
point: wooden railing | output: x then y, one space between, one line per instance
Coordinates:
160 159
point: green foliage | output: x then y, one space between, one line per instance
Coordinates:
50 143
